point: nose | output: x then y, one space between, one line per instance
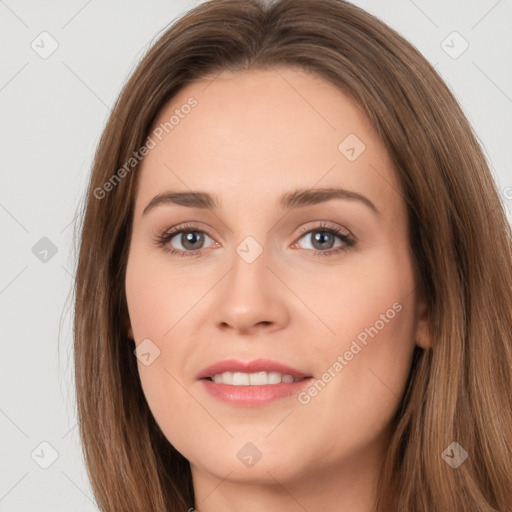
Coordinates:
251 299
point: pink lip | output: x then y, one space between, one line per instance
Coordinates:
254 366
252 396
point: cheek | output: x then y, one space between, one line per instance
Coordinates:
158 301
370 311
157 296
368 297
143 297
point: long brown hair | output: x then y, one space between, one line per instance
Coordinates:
459 389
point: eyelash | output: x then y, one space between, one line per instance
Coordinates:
163 239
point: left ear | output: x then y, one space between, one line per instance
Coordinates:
127 327
422 333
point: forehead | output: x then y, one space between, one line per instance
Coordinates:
253 134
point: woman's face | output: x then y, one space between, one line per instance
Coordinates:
275 265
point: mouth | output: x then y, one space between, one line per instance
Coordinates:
252 383
258 372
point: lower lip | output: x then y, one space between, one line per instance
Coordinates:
252 396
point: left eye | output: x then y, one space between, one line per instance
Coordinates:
323 239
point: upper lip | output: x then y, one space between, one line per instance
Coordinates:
254 366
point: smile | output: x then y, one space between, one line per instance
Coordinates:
252 379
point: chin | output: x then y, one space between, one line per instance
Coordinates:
258 462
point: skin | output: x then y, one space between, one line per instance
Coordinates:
253 136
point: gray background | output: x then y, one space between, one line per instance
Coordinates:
52 111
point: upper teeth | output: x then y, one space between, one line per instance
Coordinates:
252 379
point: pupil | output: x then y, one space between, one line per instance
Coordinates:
321 237
191 239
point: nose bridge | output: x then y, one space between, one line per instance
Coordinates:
249 269
249 296
251 247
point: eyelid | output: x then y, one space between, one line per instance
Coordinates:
187 226
324 224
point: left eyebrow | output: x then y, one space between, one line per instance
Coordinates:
288 201
305 197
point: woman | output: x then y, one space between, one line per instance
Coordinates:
220 364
